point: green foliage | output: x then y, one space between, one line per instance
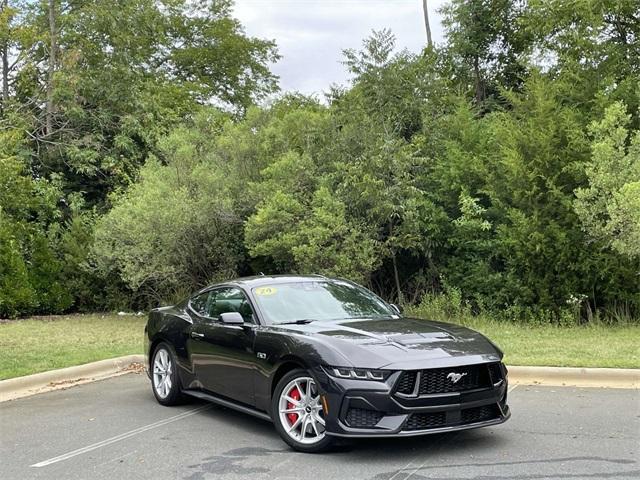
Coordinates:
30 271
85 101
535 148
487 45
590 46
314 238
609 208
175 230
16 293
496 174
124 74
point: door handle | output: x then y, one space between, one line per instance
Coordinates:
197 335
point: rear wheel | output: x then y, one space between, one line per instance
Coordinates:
298 414
164 376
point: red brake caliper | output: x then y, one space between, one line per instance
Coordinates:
295 394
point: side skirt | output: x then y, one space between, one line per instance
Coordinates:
227 403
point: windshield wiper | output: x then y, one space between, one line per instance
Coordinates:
302 321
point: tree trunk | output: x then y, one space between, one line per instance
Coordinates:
478 80
52 65
4 53
426 22
397 278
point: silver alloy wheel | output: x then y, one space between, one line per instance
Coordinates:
162 373
302 417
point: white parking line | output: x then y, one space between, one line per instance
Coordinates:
117 438
417 468
401 470
513 388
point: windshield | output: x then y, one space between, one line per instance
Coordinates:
318 301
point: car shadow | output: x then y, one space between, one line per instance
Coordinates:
468 441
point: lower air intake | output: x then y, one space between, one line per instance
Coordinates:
362 418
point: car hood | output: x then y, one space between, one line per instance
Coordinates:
402 343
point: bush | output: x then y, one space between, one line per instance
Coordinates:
176 229
17 295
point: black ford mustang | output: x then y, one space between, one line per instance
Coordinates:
324 358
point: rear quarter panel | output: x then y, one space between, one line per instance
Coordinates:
170 325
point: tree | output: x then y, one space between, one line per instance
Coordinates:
486 44
376 174
174 231
31 273
502 165
102 81
16 38
592 48
609 208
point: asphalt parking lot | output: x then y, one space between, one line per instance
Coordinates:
114 429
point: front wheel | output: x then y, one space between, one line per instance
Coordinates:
298 414
164 376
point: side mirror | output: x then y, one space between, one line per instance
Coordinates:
231 318
396 308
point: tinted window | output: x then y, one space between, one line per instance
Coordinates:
199 303
223 300
323 300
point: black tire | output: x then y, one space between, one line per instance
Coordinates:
172 395
320 445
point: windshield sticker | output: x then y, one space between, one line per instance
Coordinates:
265 291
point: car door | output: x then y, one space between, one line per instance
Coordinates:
222 355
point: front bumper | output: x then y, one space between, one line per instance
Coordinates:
360 408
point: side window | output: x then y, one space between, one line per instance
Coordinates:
199 303
226 300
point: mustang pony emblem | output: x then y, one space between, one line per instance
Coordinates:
455 377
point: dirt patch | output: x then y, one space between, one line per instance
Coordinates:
135 367
67 382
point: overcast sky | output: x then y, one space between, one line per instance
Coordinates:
311 34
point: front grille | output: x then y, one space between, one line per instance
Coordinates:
495 372
407 382
424 421
362 418
480 414
440 380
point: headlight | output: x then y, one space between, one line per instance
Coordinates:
358 373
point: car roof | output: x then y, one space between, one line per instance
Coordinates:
258 280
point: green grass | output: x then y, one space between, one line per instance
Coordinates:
44 343
577 346
542 343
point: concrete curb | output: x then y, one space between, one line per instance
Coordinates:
550 376
19 387
575 377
